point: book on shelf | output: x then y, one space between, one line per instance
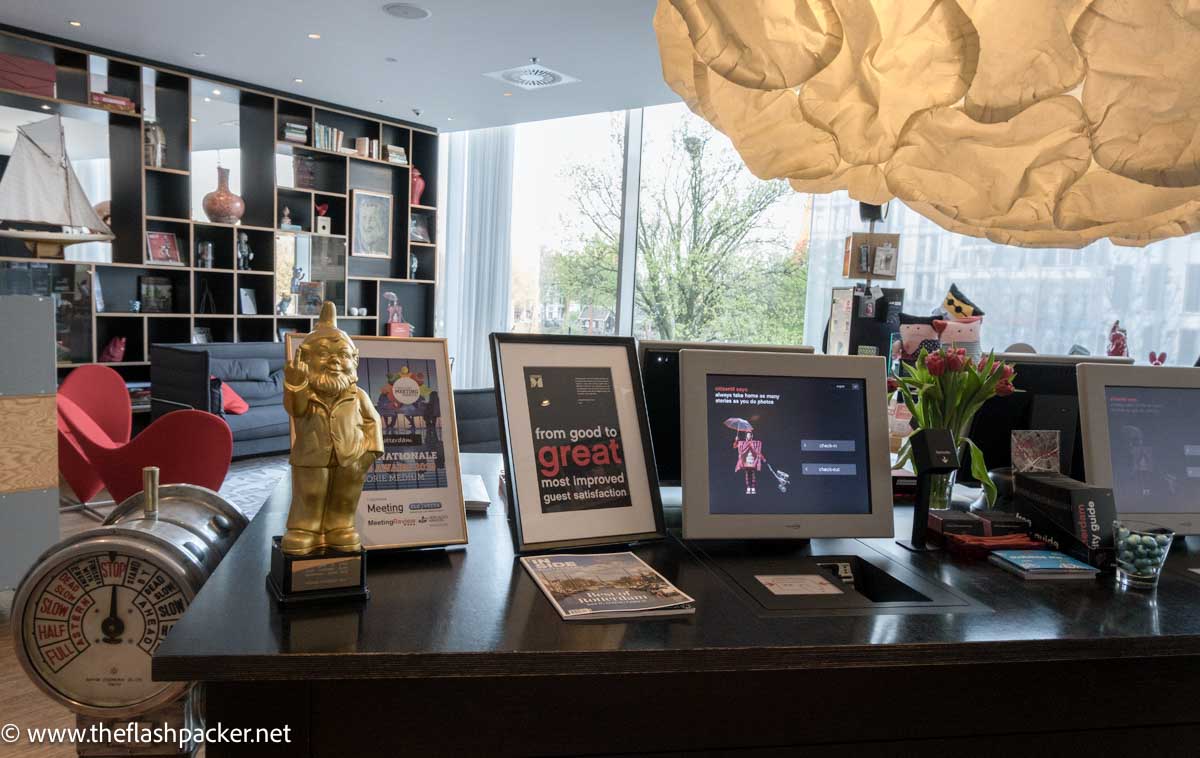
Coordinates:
113 102
396 154
1042 564
294 132
605 586
329 138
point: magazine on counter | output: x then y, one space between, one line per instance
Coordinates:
605 586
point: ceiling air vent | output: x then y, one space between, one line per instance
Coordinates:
532 76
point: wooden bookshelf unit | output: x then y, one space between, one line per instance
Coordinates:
273 173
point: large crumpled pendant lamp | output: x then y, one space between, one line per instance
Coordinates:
1042 123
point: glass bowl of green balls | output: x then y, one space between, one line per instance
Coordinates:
1141 551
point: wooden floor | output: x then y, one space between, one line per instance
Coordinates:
22 703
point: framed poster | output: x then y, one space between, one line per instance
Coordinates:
163 248
575 440
155 293
371 224
412 496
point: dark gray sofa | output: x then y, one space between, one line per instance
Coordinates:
179 378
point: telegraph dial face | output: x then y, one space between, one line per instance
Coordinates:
93 620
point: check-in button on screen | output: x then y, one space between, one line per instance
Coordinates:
827 446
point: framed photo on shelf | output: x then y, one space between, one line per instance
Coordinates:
311 295
575 441
412 496
201 335
163 248
371 224
248 301
155 293
281 333
418 228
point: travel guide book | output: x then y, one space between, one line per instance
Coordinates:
1042 564
605 586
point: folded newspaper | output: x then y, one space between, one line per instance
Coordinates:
606 586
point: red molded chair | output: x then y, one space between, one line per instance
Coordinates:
100 392
188 447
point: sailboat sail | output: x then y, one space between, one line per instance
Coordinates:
39 187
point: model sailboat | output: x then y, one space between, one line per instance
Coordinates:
41 200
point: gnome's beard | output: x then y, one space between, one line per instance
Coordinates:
333 382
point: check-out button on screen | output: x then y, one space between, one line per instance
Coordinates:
830 469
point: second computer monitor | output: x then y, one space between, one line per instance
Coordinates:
1048 399
660 377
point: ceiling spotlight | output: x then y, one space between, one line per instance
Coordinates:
193 119
198 54
73 22
449 118
314 35
298 80
390 59
208 99
406 11
45 107
417 111
379 101
508 94
217 92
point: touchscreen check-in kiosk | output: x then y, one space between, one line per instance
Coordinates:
779 446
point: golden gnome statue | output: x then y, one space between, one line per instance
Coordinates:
337 438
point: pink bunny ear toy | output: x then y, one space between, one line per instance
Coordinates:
1157 360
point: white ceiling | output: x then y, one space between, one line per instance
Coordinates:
441 61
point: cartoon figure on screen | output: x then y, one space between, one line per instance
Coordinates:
338 437
750 459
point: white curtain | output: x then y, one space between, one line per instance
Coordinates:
477 269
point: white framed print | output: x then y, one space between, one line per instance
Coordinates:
575 441
412 495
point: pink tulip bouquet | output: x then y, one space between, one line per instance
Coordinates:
944 390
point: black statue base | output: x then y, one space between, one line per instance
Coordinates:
324 576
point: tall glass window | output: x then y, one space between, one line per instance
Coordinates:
566 215
721 255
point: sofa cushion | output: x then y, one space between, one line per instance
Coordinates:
231 401
269 392
240 369
259 422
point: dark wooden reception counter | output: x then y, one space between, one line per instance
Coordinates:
457 652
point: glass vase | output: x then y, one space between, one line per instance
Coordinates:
941 490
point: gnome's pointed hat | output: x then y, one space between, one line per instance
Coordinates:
327 328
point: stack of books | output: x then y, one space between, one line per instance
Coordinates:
295 132
397 155
139 395
365 147
328 138
113 102
1042 564
605 586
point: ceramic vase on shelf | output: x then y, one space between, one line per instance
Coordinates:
418 185
222 206
943 390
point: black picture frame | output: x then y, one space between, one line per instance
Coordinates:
521 543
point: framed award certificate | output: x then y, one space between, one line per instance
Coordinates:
576 441
412 495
